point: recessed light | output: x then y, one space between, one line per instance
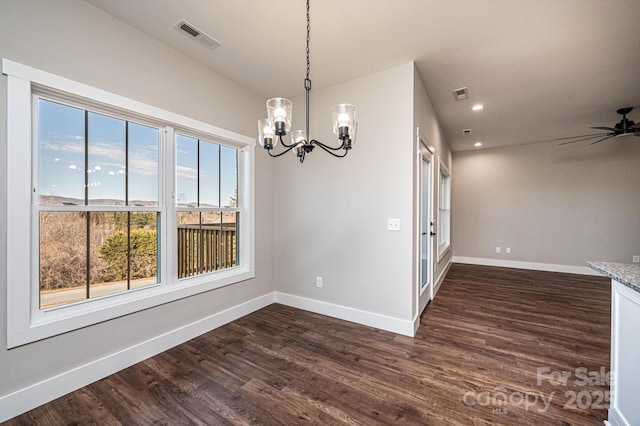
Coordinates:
477 107
477 144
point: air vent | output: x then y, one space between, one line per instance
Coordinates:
466 132
198 35
461 94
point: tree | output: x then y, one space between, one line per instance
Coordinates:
143 255
138 219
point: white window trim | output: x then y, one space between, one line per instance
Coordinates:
443 247
24 325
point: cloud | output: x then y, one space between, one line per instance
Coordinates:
107 150
143 166
186 172
68 147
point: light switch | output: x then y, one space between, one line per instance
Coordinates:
393 224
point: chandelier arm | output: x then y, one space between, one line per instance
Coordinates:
280 154
328 149
320 144
284 144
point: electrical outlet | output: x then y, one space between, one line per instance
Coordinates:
319 282
498 250
636 259
508 250
393 224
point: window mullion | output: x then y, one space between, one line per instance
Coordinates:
86 203
169 236
220 248
126 203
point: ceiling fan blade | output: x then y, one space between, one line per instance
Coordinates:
611 129
586 139
595 135
600 140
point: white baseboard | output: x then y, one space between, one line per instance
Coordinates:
371 319
549 267
616 418
441 277
47 390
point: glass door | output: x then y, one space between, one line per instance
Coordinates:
425 220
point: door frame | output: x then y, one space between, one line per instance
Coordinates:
424 152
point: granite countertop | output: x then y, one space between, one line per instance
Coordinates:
625 273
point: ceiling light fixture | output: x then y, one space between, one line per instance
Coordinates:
278 123
477 144
477 107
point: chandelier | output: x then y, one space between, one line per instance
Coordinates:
278 123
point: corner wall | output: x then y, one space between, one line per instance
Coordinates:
556 207
331 214
431 132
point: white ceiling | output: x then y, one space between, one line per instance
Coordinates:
544 69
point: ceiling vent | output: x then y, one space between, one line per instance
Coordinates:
461 94
193 32
466 132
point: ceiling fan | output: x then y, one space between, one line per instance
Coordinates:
625 127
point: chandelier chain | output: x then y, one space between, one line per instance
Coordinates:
308 40
307 81
278 122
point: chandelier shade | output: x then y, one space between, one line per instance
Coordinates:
265 133
278 123
279 112
344 120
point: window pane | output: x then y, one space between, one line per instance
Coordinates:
106 160
108 253
63 256
211 241
188 243
228 176
207 242
124 248
60 153
144 249
186 171
209 174
143 165
229 243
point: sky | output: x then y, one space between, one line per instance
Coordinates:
61 160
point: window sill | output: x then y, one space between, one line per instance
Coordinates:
64 319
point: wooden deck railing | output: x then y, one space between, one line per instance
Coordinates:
205 249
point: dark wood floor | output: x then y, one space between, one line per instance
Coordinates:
474 361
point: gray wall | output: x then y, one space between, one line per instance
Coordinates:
73 39
325 218
331 214
426 119
552 204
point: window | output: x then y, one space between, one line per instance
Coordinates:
444 210
207 214
115 206
96 203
